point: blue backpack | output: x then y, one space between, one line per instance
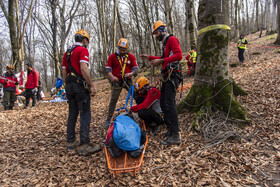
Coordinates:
127 133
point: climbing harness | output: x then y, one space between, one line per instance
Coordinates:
74 76
124 64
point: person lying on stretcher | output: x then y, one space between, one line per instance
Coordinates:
148 104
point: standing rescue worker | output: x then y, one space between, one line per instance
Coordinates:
148 104
191 62
31 85
242 42
79 88
171 77
9 82
121 67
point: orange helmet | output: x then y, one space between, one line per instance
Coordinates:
11 67
123 43
82 33
141 82
156 25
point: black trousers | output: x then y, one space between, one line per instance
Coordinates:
241 55
168 104
150 116
79 102
30 93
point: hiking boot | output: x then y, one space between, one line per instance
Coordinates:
155 129
87 149
174 139
72 145
167 134
25 107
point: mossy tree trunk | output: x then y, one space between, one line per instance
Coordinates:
212 83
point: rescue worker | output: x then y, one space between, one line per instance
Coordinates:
121 67
191 62
242 42
9 82
79 88
148 104
31 85
171 77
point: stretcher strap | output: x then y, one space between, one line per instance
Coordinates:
130 93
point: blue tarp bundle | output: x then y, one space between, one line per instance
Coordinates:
127 133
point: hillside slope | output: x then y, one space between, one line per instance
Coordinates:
33 141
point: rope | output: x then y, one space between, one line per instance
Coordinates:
217 128
230 81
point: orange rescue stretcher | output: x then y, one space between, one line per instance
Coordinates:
126 163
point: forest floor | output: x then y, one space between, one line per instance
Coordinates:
33 141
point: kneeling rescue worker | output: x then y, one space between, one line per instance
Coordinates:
79 88
148 104
171 77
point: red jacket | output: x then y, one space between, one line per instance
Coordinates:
172 52
79 54
114 64
9 86
153 95
32 79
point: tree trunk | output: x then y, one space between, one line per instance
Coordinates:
104 35
10 16
150 26
139 31
253 20
274 23
248 19
168 15
257 15
102 23
115 25
190 26
120 22
236 21
187 31
278 23
212 82
54 37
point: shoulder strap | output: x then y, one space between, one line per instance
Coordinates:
69 53
125 61
163 45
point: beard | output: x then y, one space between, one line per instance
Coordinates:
160 37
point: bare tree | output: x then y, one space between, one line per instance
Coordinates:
17 25
102 23
115 24
168 14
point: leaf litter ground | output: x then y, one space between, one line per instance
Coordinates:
33 141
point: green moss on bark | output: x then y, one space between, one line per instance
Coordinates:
237 90
202 95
